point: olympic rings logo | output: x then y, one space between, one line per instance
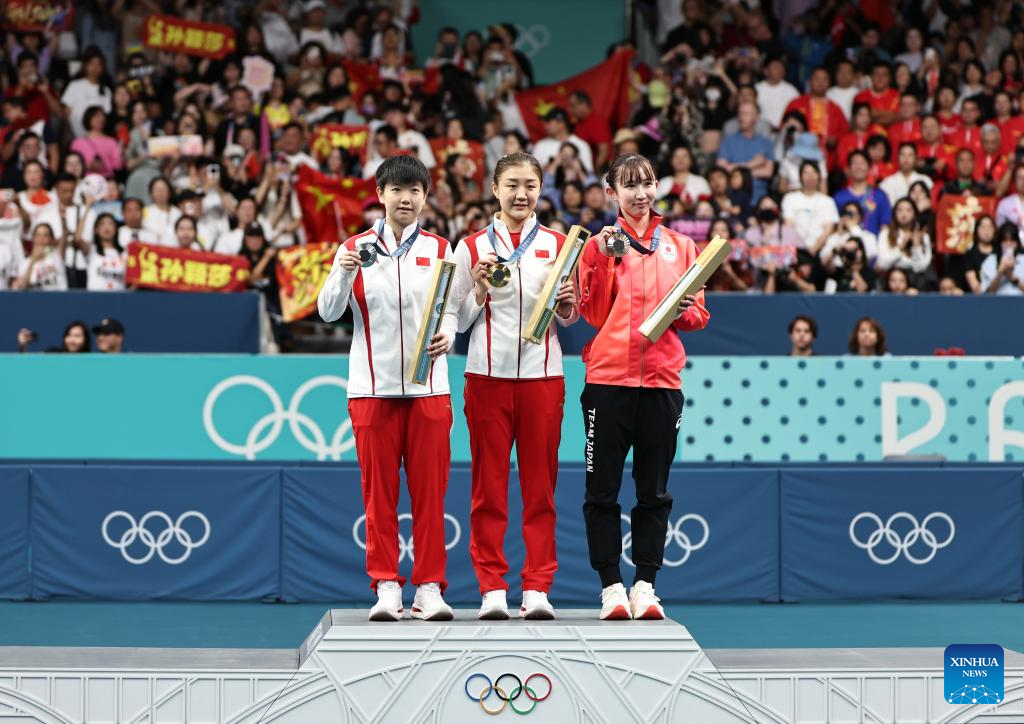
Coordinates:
405 546
507 698
674 535
139 531
299 424
901 544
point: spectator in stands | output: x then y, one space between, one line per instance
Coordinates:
803 330
851 225
823 116
897 282
1002 272
992 168
805 149
983 247
845 88
746 149
873 202
109 336
903 244
846 267
811 213
883 99
1011 208
936 158
897 185
75 339
907 127
684 185
101 153
968 133
868 339
964 182
590 127
556 122
91 88
43 269
774 93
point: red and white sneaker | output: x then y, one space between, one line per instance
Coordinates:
429 605
614 604
643 604
389 602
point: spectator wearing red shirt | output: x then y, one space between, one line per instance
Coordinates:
824 117
590 127
969 135
992 168
951 122
34 90
880 156
881 96
1010 126
857 138
937 158
907 129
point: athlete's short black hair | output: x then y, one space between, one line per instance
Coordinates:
403 170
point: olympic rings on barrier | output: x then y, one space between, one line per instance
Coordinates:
507 698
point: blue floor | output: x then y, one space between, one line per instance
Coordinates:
256 625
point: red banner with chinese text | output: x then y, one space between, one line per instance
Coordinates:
184 270
954 221
301 272
36 15
178 35
328 136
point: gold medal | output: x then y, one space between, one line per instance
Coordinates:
499 275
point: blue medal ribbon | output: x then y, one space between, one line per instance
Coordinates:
524 244
404 247
655 240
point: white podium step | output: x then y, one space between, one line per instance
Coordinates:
575 670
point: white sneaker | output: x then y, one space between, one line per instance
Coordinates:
493 607
389 602
536 606
614 604
643 603
429 605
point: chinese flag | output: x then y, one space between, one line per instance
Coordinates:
332 208
363 76
607 85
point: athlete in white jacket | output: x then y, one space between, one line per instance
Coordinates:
392 419
514 389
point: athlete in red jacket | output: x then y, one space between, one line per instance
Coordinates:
632 397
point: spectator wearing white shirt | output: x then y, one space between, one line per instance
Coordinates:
774 93
682 184
850 219
64 217
44 268
409 139
1011 208
315 29
107 259
904 244
88 90
1003 272
811 213
912 57
293 144
897 186
385 143
556 122
845 89
160 216
208 217
805 149
245 215
132 228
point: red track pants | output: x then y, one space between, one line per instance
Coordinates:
530 413
417 430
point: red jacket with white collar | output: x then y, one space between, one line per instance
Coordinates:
616 299
387 301
496 345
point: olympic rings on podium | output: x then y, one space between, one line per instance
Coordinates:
507 698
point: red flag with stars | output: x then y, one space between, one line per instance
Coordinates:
607 85
363 76
332 208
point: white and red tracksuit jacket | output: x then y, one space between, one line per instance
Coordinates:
387 301
496 345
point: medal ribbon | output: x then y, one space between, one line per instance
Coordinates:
655 240
519 250
378 245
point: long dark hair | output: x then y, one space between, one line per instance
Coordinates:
880 346
87 347
96 226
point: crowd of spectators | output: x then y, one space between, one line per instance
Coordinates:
821 137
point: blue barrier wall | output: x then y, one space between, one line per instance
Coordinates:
290 407
743 324
248 532
154 321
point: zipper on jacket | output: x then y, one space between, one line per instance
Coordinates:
401 327
643 313
519 340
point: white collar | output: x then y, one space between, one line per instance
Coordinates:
502 232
